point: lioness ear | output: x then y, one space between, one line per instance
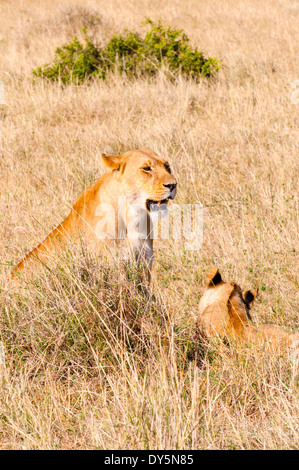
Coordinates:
249 296
213 277
111 161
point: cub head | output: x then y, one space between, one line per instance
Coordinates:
224 307
144 177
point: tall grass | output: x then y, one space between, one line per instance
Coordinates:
91 361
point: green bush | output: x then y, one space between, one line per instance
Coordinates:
131 54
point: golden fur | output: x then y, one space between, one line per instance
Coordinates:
142 177
224 311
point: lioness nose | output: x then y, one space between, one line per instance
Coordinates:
170 186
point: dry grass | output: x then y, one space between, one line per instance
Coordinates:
70 380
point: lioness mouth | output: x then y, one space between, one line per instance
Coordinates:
155 206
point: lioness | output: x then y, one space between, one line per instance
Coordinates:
224 310
117 206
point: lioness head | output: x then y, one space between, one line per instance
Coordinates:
224 307
224 311
144 177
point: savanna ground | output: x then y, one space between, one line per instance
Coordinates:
90 363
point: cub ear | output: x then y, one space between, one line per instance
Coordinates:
213 277
111 161
249 296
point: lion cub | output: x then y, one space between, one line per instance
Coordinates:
224 311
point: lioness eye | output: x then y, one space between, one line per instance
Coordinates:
147 168
167 167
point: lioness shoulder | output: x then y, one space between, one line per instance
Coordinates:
142 180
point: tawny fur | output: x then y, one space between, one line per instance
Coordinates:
127 177
224 311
